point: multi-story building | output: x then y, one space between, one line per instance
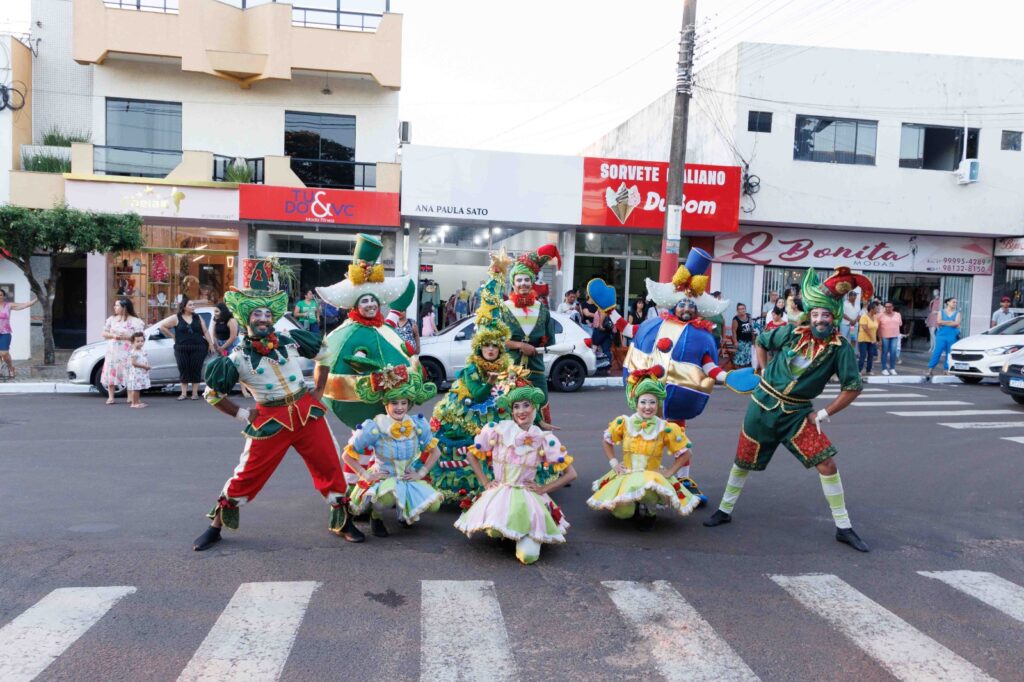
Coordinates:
235 129
903 166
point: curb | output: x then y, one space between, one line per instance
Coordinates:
44 387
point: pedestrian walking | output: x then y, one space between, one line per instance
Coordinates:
307 313
6 335
406 328
138 370
743 334
118 330
191 345
867 338
946 334
890 323
1002 313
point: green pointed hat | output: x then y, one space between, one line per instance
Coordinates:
817 296
366 277
260 292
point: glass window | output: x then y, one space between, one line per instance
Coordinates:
605 243
759 121
935 147
835 140
1010 141
143 138
323 149
646 246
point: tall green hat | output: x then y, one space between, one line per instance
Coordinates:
260 292
366 277
646 381
394 383
528 392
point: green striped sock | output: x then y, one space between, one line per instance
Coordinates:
833 488
733 488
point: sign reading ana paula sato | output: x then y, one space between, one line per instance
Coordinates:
621 193
316 205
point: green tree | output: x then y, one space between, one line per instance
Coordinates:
26 233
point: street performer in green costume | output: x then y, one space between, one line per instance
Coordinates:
807 355
529 319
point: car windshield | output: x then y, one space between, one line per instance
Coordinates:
1014 326
454 324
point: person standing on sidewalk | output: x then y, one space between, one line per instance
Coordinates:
848 327
118 330
889 324
6 308
867 338
1002 313
948 332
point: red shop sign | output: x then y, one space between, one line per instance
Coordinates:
316 205
620 193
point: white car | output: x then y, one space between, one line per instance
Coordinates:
567 365
982 356
85 363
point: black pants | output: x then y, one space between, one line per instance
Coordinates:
190 359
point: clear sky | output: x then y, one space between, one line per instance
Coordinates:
553 75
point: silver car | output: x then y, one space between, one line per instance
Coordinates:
85 363
568 362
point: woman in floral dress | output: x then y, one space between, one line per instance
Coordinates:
118 330
637 486
513 505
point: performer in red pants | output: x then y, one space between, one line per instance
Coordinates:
286 414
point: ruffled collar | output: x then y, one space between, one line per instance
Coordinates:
486 367
523 301
697 321
256 349
810 347
375 321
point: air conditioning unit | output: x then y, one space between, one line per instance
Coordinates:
405 132
968 171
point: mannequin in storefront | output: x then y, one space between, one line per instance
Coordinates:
462 301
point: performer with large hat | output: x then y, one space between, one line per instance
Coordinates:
680 341
529 319
807 355
286 414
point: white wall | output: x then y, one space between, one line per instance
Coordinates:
220 117
62 88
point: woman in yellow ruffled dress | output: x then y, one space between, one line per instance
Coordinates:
639 485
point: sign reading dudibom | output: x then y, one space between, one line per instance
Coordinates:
859 250
315 205
620 193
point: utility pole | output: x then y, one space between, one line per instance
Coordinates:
677 155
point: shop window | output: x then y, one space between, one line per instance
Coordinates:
605 243
835 140
759 121
143 138
175 262
323 150
935 147
1010 141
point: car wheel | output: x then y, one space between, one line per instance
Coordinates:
969 380
95 379
1019 399
434 371
568 375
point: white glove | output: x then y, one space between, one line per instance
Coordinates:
242 415
821 416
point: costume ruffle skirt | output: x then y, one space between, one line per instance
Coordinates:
515 512
410 498
649 488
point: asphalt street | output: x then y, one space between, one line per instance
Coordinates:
96 496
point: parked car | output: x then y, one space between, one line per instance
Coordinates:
442 356
85 363
983 355
1011 377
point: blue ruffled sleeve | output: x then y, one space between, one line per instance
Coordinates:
424 435
366 436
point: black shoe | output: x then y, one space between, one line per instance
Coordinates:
350 532
717 519
852 539
209 538
645 522
378 528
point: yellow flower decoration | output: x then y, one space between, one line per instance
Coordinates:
376 273
699 284
681 277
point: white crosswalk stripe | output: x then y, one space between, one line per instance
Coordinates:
1014 439
34 640
254 634
983 425
907 653
882 396
989 588
684 645
900 403
952 413
463 633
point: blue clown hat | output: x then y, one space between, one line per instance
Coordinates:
697 261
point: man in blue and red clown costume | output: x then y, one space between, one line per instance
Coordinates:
680 340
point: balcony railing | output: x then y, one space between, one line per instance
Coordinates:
134 161
335 174
328 15
222 163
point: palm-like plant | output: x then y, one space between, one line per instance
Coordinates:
238 171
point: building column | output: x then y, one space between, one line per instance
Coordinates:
96 288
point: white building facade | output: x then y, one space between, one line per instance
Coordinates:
852 158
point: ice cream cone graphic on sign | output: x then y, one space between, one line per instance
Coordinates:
622 201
